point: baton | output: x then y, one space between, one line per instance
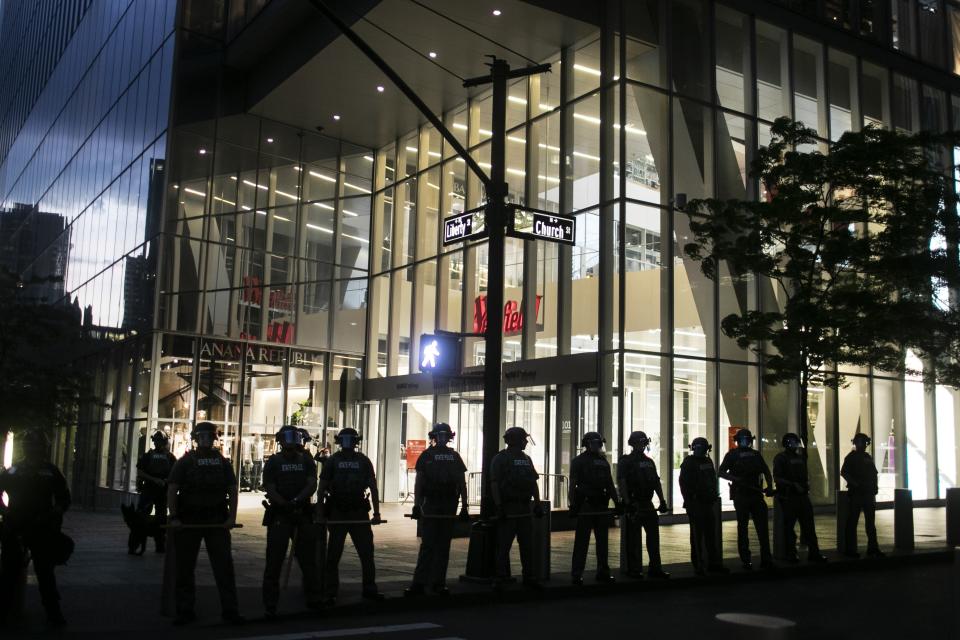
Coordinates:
289 567
597 513
370 522
432 517
235 525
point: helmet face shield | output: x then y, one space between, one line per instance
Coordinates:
205 439
289 438
594 445
348 441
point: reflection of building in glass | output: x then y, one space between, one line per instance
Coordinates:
270 230
36 245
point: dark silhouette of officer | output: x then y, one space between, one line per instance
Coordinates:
698 486
37 498
591 490
346 478
746 469
441 485
860 473
638 481
514 489
153 471
793 492
202 497
290 480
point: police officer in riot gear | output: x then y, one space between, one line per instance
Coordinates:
37 498
346 477
698 486
153 471
441 484
591 490
745 468
860 473
793 492
513 487
638 481
202 497
290 480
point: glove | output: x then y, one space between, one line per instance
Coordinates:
768 492
538 511
464 515
416 512
375 519
663 508
618 508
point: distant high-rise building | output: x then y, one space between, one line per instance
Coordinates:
35 245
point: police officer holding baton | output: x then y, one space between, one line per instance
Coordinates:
698 486
153 470
745 468
202 497
591 490
638 481
290 480
793 492
441 485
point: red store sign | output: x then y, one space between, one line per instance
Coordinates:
512 316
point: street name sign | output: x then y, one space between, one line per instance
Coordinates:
542 225
463 226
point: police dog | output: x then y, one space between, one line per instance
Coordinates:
141 527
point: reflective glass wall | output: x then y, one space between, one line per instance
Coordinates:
667 103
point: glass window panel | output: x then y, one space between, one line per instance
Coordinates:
645 61
732 57
647 144
772 72
692 143
930 25
874 95
586 69
731 175
946 400
379 323
694 330
547 132
585 285
887 413
643 255
843 92
583 159
902 25
690 37
808 83
691 417
906 116
953 14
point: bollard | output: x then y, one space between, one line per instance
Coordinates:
953 517
779 552
903 519
481 553
541 542
843 510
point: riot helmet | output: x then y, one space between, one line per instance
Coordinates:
790 441
347 439
744 438
592 441
700 446
305 437
515 436
639 440
160 440
205 433
288 437
441 433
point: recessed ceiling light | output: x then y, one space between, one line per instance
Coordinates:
432 54
202 152
270 140
496 12
380 88
336 116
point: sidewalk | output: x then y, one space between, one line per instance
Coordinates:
104 589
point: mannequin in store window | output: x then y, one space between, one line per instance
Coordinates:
256 453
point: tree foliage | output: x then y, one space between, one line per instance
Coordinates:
857 244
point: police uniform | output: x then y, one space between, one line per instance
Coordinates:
749 467
289 473
31 523
515 476
205 480
591 484
698 486
637 475
793 487
860 473
347 474
440 472
158 464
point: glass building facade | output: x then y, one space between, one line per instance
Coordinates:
247 268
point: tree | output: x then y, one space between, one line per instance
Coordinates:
41 379
845 239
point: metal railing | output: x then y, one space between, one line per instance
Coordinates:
553 487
